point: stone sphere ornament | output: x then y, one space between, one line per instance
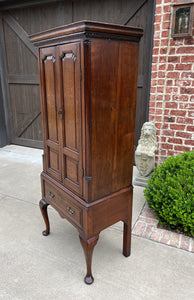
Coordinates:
146 149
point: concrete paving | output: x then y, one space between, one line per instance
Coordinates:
36 267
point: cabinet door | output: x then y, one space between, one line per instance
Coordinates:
70 95
50 109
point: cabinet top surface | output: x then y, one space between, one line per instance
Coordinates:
88 29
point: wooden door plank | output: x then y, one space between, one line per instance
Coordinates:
27 142
39 18
3 74
23 79
26 123
133 9
21 33
100 10
3 137
5 5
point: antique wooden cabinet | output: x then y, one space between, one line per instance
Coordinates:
88 83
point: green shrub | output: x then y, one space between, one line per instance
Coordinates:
170 192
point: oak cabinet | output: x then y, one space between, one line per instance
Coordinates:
88 84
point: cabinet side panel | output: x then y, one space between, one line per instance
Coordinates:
114 66
125 123
104 71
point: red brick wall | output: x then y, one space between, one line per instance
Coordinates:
172 86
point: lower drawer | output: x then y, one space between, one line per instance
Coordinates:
63 204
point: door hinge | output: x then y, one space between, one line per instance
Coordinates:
60 113
88 179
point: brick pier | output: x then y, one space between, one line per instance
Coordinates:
171 106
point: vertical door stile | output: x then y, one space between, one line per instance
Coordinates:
78 80
87 119
60 114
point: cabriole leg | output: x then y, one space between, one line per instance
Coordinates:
88 247
43 208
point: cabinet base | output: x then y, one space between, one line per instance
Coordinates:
89 218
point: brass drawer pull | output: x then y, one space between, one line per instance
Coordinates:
70 210
51 195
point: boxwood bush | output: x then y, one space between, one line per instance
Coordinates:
170 193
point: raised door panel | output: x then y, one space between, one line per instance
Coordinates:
69 58
50 103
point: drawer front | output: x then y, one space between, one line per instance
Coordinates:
50 193
63 204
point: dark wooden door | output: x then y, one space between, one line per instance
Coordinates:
20 58
20 61
70 95
51 106
61 105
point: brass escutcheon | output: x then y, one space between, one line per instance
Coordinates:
70 210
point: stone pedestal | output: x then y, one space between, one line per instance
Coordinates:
141 181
